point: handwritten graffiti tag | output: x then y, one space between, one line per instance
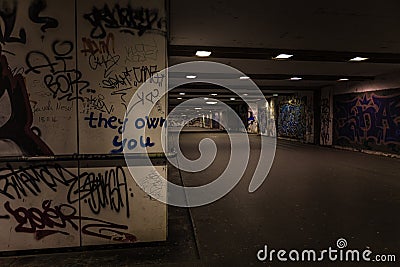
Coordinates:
127 19
36 7
100 190
62 81
94 47
49 220
9 16
97 190
141 53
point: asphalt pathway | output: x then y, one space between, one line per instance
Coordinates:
312 197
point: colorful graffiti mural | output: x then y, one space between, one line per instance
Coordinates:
292 118
369 120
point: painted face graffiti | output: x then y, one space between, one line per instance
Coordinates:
16 114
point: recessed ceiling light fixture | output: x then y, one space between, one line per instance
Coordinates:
343 80
214 94
203 53
357 59
283 56
295 78
197 108
182 93
245 94
244 78
232 98
211 102
275 95
191 76
179 98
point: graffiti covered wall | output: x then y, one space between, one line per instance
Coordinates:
266 117
326 118
50 205
368 120
68 70
120 47
295 117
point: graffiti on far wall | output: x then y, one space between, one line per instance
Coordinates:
369 120
325 121
291 120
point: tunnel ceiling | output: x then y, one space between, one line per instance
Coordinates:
321 35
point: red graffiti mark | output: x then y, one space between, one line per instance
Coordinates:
53 220
34 220
102 47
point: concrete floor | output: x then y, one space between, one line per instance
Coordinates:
312 197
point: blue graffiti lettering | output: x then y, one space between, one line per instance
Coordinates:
130 144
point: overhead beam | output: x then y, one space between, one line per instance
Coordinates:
270 53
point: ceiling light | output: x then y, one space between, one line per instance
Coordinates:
283 56
296 78
343 79
191 76
275 95
211 102
232 98
197 108
206 98
245 94
214 94
244 78
358 59
182 93
203 53
179 98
